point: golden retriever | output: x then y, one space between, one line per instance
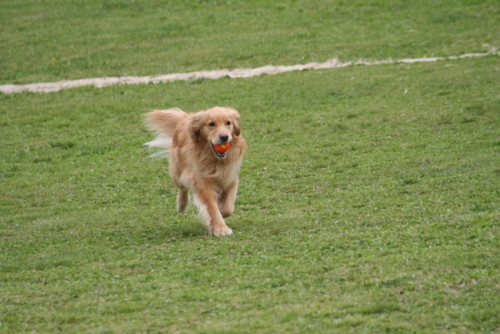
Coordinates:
196 163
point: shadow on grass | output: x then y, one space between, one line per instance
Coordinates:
157 232
193 230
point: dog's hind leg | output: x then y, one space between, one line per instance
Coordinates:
226 201
182 200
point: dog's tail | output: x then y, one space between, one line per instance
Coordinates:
163 122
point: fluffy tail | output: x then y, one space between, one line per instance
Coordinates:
163 122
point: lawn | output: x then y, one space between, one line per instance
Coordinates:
52 40
369 199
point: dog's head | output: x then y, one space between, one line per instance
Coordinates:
215 126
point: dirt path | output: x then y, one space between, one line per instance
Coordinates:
236 73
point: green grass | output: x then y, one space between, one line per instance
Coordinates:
53 40
369 201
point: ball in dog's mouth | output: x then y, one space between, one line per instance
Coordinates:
221 149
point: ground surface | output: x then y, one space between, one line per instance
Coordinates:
46 41
369 199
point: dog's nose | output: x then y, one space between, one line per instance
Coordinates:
223 137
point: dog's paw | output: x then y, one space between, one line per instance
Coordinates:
221 230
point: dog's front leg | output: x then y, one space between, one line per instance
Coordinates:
206 201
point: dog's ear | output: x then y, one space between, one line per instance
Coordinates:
194 125
236 122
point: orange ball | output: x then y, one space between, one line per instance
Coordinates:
222 148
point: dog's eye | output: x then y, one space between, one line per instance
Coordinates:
228 123
211 124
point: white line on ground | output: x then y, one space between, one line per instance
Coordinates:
236 73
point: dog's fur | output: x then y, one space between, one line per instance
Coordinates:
195 166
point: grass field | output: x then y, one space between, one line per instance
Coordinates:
369 200
71 39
